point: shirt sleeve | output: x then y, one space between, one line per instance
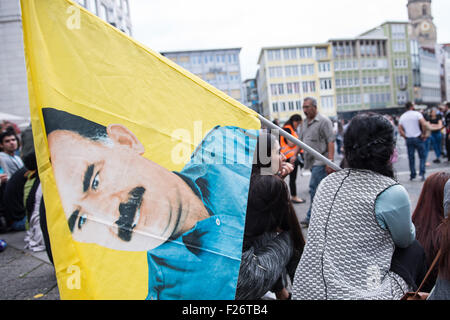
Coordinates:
393 213
328 131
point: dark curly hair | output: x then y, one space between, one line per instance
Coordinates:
369 144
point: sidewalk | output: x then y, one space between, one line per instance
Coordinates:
25 275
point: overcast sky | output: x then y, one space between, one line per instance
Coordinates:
172 25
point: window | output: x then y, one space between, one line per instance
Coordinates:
280 88
282 106
399 46
93 6
325 84
275 107
290 54
103 13
327 102
273 89
291 71
324 67
306 52
321 53
296 87
275 72
273 55
289 88
298 105
291 105
309 86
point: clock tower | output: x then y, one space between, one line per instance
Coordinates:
422 26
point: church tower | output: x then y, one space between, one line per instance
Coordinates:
422 26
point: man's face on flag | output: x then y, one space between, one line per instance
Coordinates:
112 195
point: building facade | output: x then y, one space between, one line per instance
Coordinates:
13 77
287 75
13 73
219 67
250 94
403 58
445 82
363 77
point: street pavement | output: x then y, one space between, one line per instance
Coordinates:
26 275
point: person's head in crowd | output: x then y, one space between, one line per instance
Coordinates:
369 144
269 206
409 105
310 107
429 212
294 121
29 160
9 142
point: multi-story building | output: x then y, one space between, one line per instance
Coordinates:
362 74
430 77
444 59
13 78
218 67
287 75
402 58
250 94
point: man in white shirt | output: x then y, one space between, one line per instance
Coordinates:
411 125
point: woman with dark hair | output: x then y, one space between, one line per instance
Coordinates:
273 240
441 290
427 216
360 215
291 151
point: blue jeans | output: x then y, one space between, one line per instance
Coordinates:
436 140
412 145
317 175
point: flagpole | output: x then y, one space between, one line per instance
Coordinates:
296 141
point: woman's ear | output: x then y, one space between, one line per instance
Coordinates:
122 136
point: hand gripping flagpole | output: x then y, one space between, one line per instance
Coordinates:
296 141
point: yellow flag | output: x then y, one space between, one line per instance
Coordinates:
144 167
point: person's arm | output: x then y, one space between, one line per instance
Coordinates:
330 156
436 126
262 266
401 130
424 125
393 213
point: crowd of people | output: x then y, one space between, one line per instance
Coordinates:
364 240
21 201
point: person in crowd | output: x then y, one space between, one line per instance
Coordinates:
427 216
436 135
446 118
317 132
291 151
426 135
273 241
411 125
441 290
359 216
9 161
339 136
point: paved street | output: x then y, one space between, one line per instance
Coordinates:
25 275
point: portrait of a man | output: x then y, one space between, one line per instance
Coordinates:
190 223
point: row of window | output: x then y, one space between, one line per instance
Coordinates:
369 98
294 87
218 58
213 78
287 106
327 103
296 53
401 63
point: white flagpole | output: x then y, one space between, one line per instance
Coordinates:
304 146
